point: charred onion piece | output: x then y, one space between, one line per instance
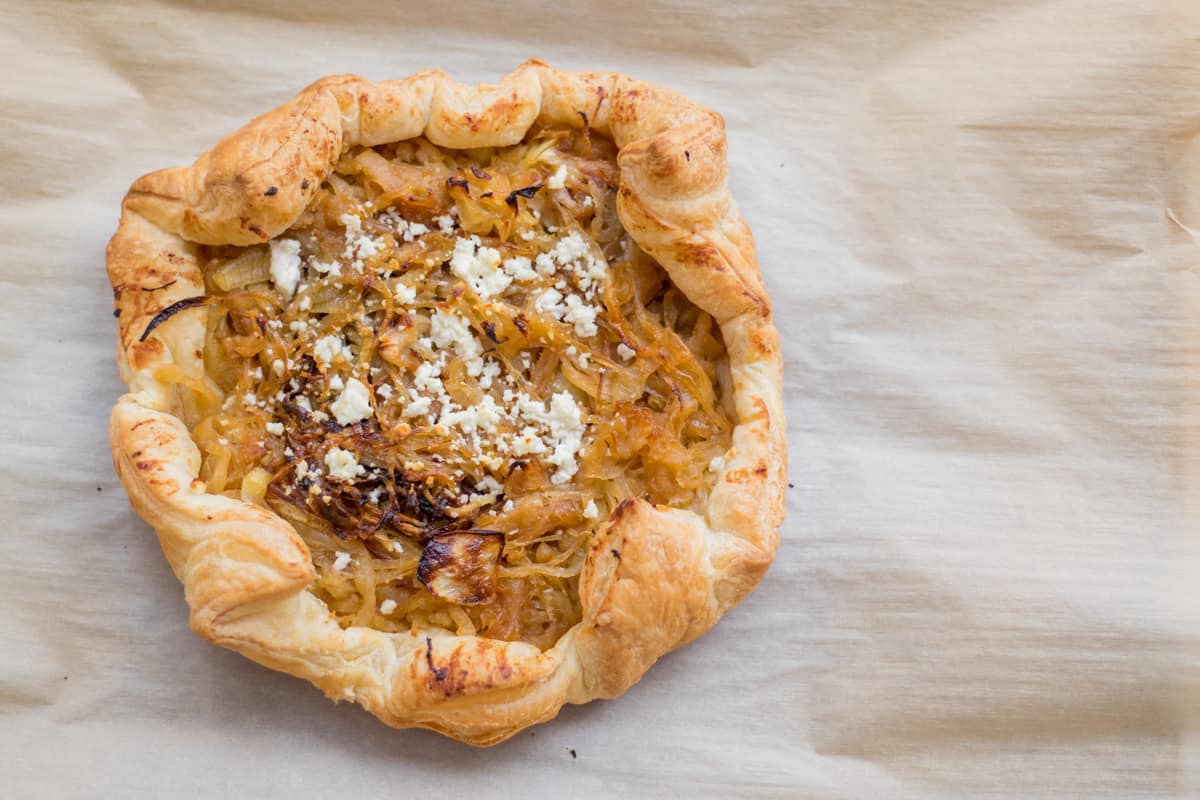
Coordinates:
527 192
490 329
171 311
461 567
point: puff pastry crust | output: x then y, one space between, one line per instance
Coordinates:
654 577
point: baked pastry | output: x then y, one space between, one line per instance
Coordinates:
460 402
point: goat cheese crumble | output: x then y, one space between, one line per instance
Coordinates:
353 404
327 349
571 275
343 464
285 265
479 266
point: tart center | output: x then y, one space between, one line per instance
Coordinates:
448 371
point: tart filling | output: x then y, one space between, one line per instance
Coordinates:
447 372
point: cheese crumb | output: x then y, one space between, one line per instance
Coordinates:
407 231
285 265
449 330
479 267
520 269
404 294
352 222
571 247
358 245
564 424
558 179
327 348
581 316
342 561
570 309
590 511
342 464
491 371
387 606
275 428
528 442
333 268
566 435
549 300
418 407
353 404
625 352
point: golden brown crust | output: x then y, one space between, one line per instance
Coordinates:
655 577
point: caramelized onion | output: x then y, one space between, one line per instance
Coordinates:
414 529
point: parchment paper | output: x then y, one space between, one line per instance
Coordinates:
964 216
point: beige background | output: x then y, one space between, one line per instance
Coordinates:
964 217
